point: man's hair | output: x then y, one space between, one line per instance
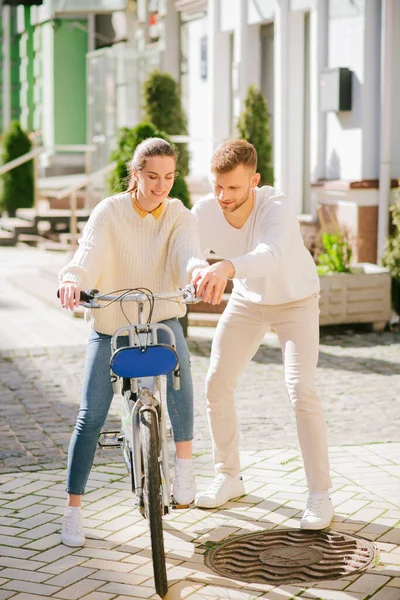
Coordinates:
233 153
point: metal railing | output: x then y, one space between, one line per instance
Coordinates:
72 191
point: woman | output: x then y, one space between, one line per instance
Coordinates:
140 238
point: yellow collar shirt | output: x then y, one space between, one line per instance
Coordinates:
143 213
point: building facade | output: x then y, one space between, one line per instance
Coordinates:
329 73
327 68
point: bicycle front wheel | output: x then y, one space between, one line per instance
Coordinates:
153 496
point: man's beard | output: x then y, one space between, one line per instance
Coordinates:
238 204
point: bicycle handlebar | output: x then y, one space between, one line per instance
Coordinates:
90 298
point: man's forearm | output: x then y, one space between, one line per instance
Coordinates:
229 269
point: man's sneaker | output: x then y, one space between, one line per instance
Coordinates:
184 485
72 529
319 512
224 488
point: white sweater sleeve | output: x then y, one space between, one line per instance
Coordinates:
186 248
276 230
86 265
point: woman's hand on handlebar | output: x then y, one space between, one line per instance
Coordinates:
69 295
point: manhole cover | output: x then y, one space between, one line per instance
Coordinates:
280 557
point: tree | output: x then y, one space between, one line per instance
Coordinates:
163 108
127 141
253 126
17 189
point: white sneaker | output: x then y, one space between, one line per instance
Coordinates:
184 485
224 488
72 529
319 512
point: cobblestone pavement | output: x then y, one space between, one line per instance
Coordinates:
358 380
359 383
116 560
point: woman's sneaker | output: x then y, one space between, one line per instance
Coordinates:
224 488
72 528
319 512
184 485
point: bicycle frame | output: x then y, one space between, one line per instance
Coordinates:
145 390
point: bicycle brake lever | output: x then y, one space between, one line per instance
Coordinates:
190 295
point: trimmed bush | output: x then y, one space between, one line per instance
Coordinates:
391 257
253 126
163 108
17 186
127 141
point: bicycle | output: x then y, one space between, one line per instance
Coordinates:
136 372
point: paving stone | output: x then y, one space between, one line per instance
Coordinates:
40 589
24 575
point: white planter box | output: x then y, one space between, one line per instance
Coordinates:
356 297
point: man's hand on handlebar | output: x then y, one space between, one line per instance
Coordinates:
69 295
211 282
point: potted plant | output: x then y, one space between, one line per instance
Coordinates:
17 186
391 257
351 293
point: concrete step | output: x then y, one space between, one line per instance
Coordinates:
32 239
16 225
58 219
7 238
203 319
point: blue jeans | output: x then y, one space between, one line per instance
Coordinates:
97 395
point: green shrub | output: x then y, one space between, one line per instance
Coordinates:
253 126
163 108
391 257
337 255
17 186
127 140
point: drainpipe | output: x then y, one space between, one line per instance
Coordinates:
281 68
385 123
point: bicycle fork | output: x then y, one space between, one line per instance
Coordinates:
144 403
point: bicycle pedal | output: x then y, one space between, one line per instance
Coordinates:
109 440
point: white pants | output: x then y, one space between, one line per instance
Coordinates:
238 336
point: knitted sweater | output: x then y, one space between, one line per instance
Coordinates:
120 250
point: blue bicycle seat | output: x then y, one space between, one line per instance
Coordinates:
132 361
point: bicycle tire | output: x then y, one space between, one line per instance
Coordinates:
153 496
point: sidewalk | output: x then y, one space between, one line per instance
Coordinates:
41 362
115 563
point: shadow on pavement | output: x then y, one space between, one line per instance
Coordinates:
273 355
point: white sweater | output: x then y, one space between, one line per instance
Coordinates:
272 265
119 250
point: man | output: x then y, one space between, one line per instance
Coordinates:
276 285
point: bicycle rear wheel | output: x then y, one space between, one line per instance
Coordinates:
153 496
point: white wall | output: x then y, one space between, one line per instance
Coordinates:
260 10
228 12
198 100
346 49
